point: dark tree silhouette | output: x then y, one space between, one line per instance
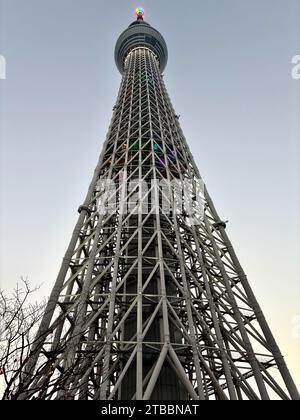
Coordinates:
19 320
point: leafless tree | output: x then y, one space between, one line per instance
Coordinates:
19 319
50 378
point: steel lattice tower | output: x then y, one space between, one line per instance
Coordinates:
149 303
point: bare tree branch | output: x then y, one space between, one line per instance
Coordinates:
19 320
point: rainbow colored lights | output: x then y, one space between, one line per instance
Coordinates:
140 12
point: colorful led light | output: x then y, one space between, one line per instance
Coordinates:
140 13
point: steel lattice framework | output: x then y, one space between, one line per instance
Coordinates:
150 304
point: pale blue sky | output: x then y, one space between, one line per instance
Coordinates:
229 76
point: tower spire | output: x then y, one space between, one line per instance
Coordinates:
140 13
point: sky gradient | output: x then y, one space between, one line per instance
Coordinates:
228 75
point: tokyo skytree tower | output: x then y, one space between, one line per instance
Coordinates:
151 302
